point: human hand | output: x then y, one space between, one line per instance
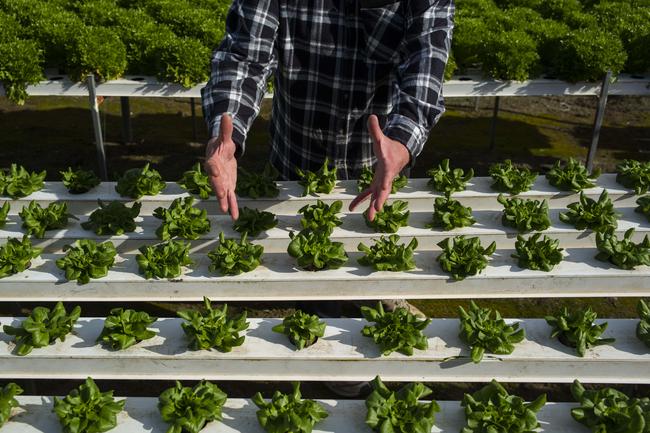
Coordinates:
221 167
392 157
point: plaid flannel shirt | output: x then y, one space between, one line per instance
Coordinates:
335 62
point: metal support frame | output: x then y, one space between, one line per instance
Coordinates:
493 126
598 120
97 126
127 132
193 108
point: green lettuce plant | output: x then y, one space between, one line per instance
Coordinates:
43 327
634 175
301 328
591 214
4 211
367 174
288 413
113 218
536 254
24 68
484 330
492 409
509 178
401 411
449 214
463 257
524 214
16 256
321 216
577 329
79 181
8 401
182 220
124 328
190 409
446 180
164 260
395 331
390 218
17 182
643 206
231 257
623 253
254 222
138 182
256 185
319 182
314 250
196 182
643 328
213 328
37 220
387 255
85 259
573 176
87 409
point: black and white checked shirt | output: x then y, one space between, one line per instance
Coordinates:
335 62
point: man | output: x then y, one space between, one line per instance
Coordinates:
357 81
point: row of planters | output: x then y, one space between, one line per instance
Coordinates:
173 39
482 329
490 409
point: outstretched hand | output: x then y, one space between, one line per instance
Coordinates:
392 156
221 167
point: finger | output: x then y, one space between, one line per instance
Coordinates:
360 198
225 130
372 210
232 204
381 197
220 192
375 133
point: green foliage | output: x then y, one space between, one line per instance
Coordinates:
607 410
85 259
16 256
387 255
577 329
43 327
37 220
17 182
195 181
484 330
449 214
124 328
643 206
137 182
320 182
395 331
190 409
525 214
182 220
401 411
321 216
87 409
21 66
213 328
113 218
623 253
571 177
4 211
492 410
232 258
314 250
8 401
510 178
98 51
79 181
510 55
643 327
463 257
591 214
301 328
256 185
288 413
164 260
536 254
254 221
182 60
634 175
367 174
446 180
390 218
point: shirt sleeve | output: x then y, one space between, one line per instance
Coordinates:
241 67
418 102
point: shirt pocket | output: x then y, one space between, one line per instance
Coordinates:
382 31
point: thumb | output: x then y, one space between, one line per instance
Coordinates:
375 133
225 130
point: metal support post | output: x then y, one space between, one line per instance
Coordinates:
97 126
598 120
493 127
193 108
476 103
127 133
